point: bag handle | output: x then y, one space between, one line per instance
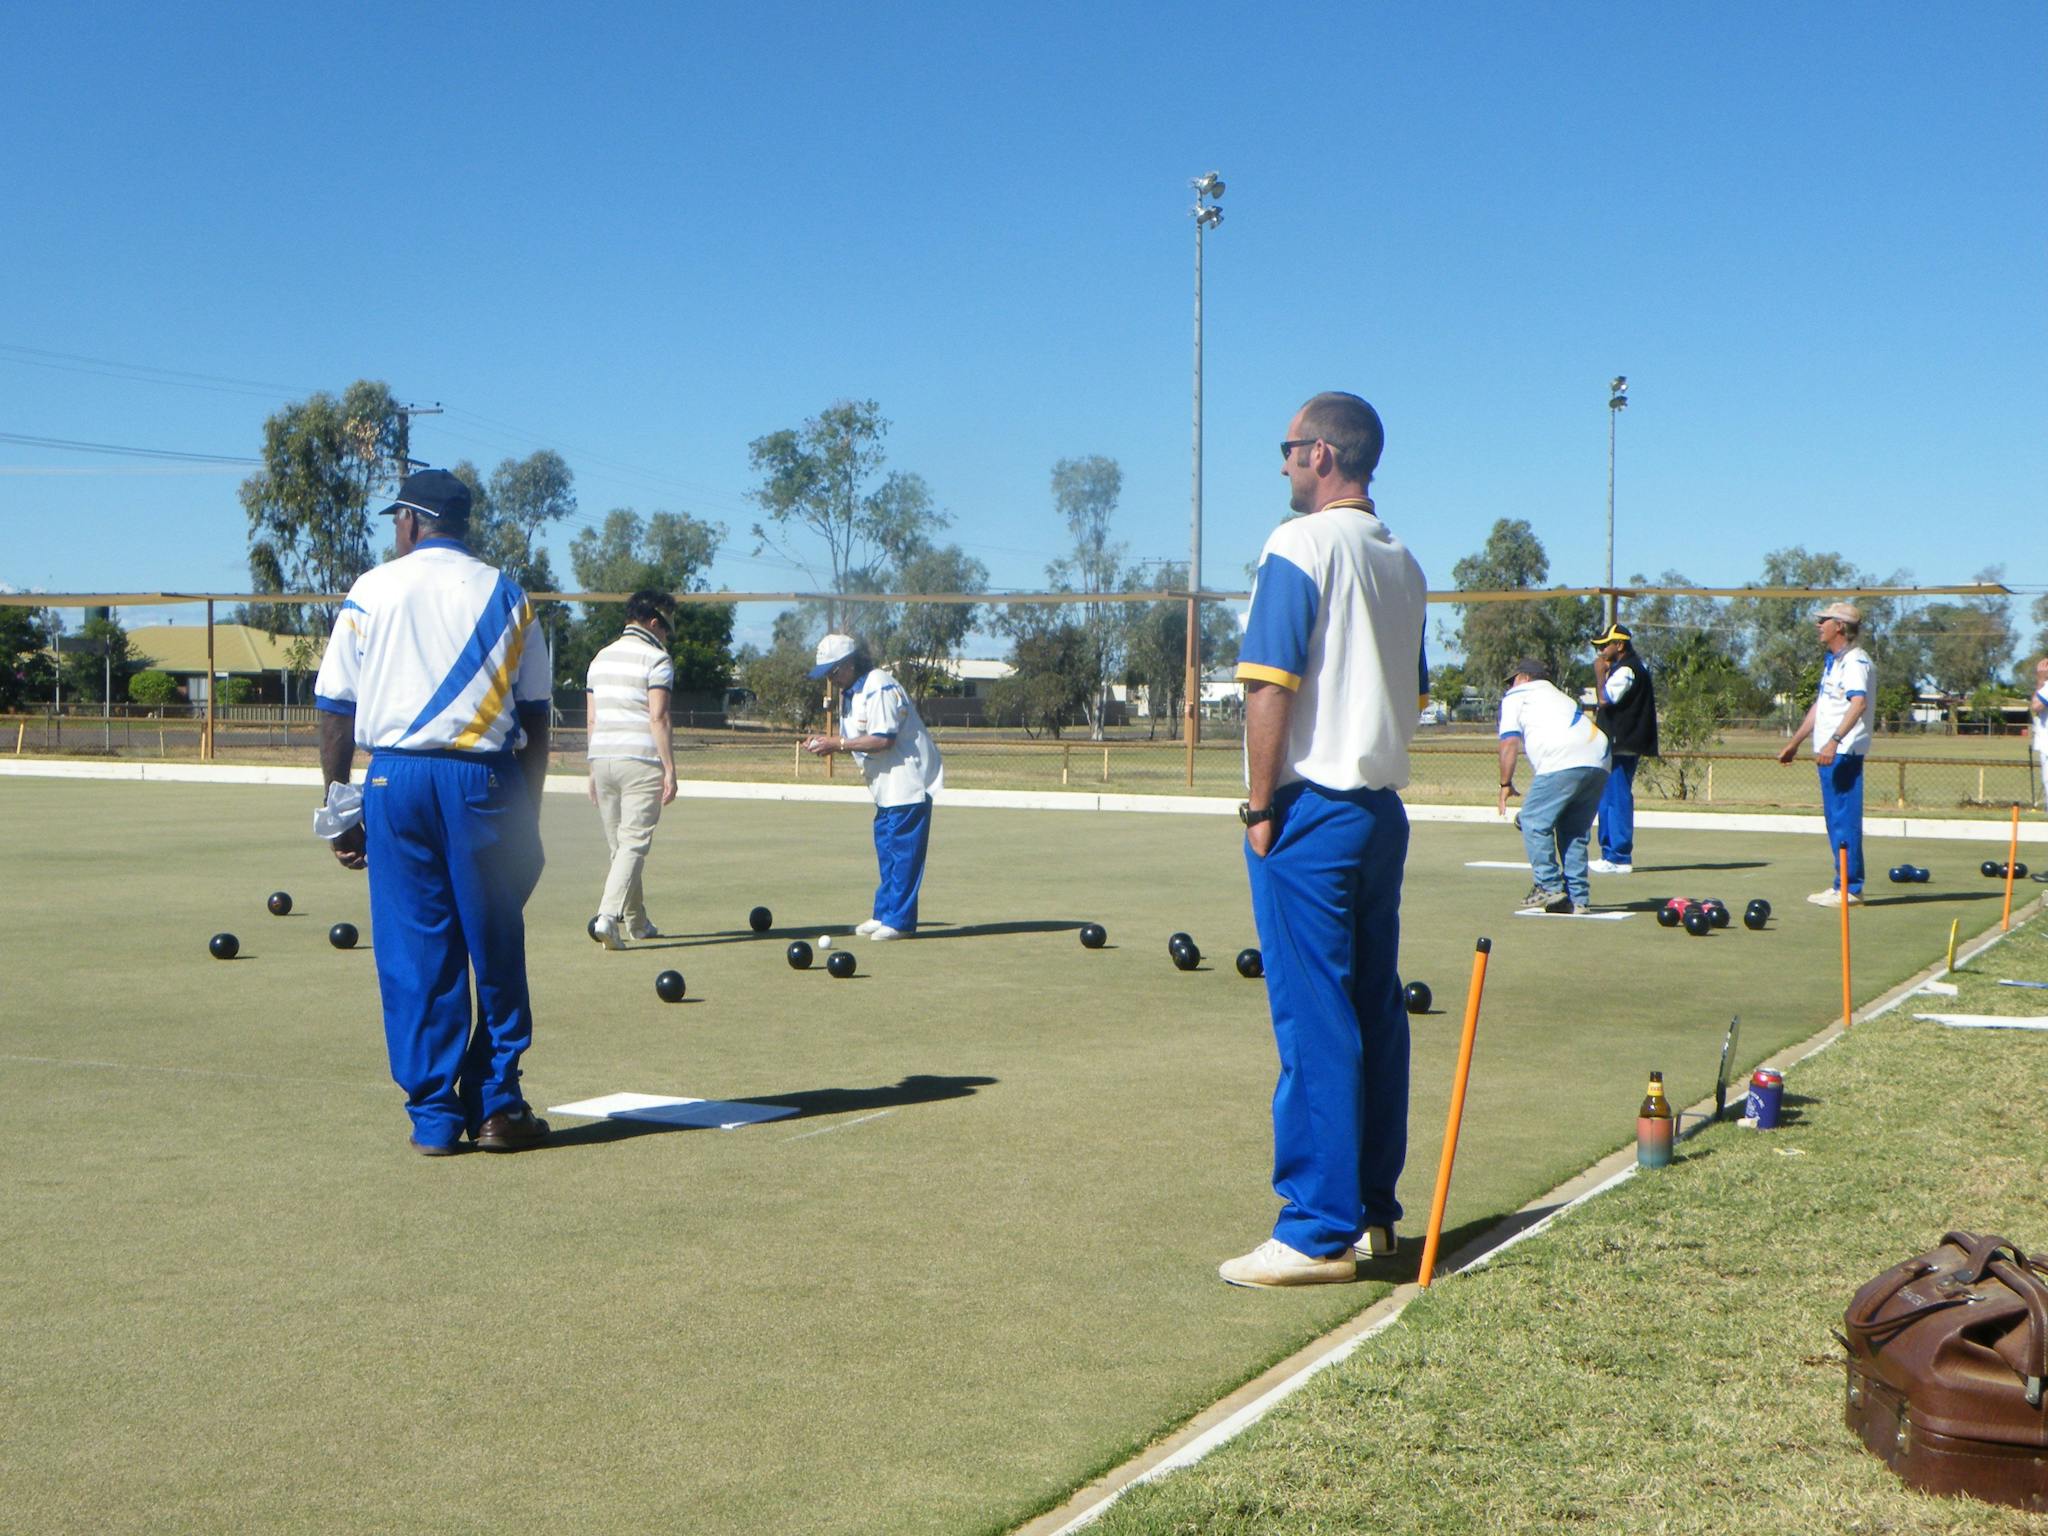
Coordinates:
1978 1252
2027 1285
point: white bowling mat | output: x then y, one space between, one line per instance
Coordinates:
661 1109
1580 917
1981 1021
1493 864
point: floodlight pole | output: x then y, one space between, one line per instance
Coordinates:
1208 188
1617 402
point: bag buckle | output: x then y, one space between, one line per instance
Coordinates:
2033 1391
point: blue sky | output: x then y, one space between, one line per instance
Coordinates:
1812 236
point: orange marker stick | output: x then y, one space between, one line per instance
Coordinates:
1457 1115
2012 854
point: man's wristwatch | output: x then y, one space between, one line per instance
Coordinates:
1252 818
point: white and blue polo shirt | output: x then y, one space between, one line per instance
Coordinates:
1337 615
1555 732
435 652
909 768
1842 678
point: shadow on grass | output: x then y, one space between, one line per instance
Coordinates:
804 1104
1928 898
782 933
1674 869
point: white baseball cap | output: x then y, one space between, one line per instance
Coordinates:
832 650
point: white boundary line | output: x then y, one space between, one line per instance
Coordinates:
2033 833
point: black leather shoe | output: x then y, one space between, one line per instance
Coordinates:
512 1130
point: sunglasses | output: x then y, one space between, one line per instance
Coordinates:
1293 443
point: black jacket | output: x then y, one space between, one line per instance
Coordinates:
1631 725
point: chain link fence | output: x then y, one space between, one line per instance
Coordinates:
1927 773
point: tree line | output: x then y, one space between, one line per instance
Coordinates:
833 507
1721 659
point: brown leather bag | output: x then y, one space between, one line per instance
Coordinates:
1947 1358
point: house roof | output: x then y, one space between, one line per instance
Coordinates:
237 648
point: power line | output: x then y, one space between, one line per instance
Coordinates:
141 453
140 373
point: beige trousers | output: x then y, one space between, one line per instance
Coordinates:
629 804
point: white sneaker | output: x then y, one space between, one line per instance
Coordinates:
866 928
1273 1263
1833 898
1376 1243
881 933
1602 867
607 932
642 928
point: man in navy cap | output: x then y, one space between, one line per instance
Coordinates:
438 668
879 725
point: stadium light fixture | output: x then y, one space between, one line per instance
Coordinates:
1617 402
1208 187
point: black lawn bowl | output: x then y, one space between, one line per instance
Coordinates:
1669 915
1900 874
1175 940
1250 964
841 964
224 946
1990 870
760 919
1187 956
1093 935
591 929
343 935
1417 996
798 955
1920 874
1758 904
1697 922
2019 871
280 903
1717 913
1754 920
668 986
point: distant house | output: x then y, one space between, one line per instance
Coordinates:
239 650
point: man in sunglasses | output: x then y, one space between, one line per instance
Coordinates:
1334 673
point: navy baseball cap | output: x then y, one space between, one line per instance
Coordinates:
434 493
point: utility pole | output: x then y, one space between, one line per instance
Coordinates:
405 416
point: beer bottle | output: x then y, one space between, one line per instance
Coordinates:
1654 1126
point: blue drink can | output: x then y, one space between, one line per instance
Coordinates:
1766 1097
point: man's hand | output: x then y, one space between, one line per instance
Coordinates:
591 785
668 784
350 849
819 746
1260 835
1826 753
1506 792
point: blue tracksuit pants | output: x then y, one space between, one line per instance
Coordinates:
903 834
454 851
1841 802
1327 899
1618 811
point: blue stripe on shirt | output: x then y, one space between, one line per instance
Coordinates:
1283 618
498 614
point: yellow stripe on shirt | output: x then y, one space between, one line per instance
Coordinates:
501 684
1252 672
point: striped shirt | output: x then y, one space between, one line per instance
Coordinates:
436 651
620 676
